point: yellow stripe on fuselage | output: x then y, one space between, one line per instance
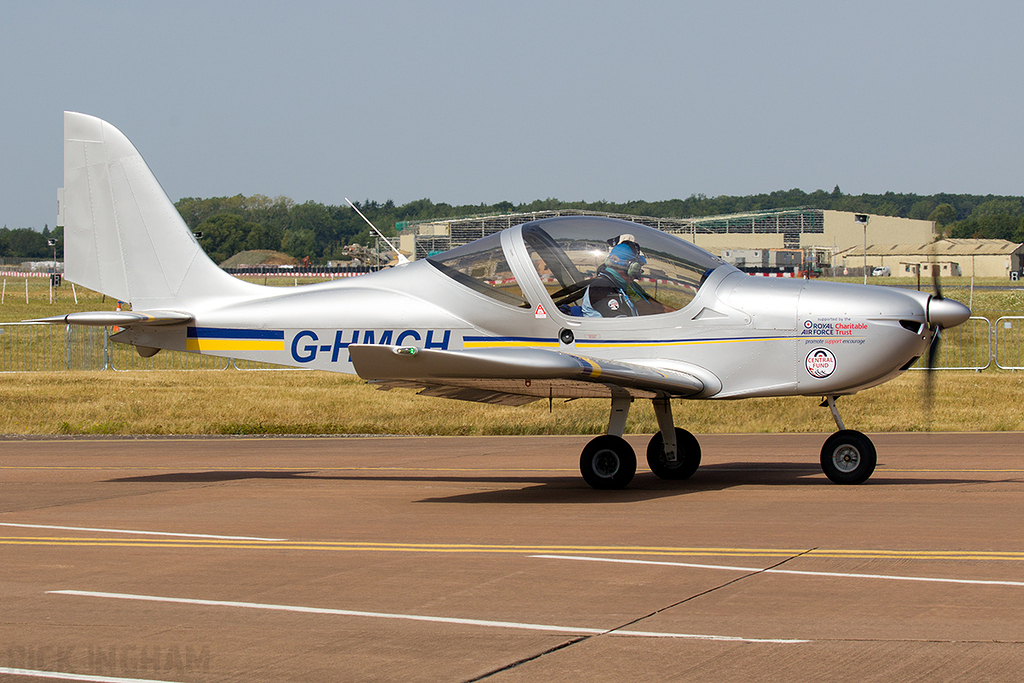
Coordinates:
639 344
234 345
693 342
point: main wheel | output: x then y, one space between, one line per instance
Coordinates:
848 457
608 462
687 456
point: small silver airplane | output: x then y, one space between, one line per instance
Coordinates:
570 307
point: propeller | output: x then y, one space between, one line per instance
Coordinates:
940 314
933 348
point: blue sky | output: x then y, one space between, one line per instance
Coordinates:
480 102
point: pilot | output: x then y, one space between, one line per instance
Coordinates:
613 293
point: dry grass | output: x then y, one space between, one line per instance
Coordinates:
303 402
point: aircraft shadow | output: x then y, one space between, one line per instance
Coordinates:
215 476
299 475
645 486
568 488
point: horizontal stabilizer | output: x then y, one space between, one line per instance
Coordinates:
380 362
117 318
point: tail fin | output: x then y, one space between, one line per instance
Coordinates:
122 235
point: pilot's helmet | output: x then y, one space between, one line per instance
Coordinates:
628 257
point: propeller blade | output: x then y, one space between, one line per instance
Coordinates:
933 349
935 282
929 381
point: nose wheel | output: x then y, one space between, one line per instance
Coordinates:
848 457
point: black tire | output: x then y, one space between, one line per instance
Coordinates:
848 457
608 462
687 456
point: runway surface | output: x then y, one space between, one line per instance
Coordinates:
465 559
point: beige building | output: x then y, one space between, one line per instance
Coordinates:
950 258
823 231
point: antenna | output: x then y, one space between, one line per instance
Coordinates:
401 257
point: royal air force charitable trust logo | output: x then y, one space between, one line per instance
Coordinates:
819 328
821 363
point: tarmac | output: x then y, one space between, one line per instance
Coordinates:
488 558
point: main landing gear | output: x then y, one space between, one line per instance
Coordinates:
609 462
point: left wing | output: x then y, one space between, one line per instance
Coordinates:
514 376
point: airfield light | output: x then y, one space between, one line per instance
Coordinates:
53 243
862 218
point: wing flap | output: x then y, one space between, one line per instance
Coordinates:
511 392
515 371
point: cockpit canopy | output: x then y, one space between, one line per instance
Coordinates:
568 252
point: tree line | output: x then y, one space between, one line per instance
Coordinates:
321 231
233 224
27 243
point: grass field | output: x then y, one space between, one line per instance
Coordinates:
303 402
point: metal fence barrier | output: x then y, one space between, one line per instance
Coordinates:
27 347
964 347
1009 336
40 348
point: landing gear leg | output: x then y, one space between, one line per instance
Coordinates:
848 457
608 461
831 403
672 453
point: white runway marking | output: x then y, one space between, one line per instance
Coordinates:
572 630
76 677
136 532
759 570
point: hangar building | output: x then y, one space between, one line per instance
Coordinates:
949 258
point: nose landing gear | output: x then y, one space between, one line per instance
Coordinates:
848 457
